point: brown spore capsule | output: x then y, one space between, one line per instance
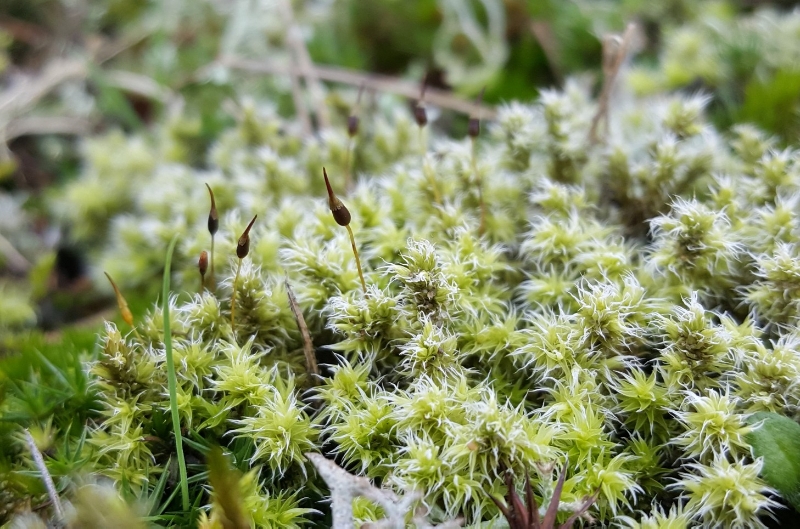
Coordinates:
353 122
340 213
474 127
352 126
243 245
213 217
420 115
202 263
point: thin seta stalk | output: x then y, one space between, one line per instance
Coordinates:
172 379
202 266
352 130
127 316
473 131
421 117
242 249
342 217
213 226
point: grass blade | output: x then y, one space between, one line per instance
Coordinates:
172 380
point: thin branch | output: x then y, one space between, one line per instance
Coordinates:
542 31
615 51
299 105
37 125
306 66
380 83
109 50
16 261
48 480
345 487
138 84
308 346
295 74
25 93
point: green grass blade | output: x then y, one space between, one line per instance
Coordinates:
172 380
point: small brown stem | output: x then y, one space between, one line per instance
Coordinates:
358 259
543 32
615 50
300 109
308 346
211 280
305 68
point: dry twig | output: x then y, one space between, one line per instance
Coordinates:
23 94
36 125
380 83
615 50
295 73
345 487
306 66
543 32
308 346
138 84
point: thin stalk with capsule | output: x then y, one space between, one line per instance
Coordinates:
342 217
242 249
213 226
473 131
421 117
352 130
